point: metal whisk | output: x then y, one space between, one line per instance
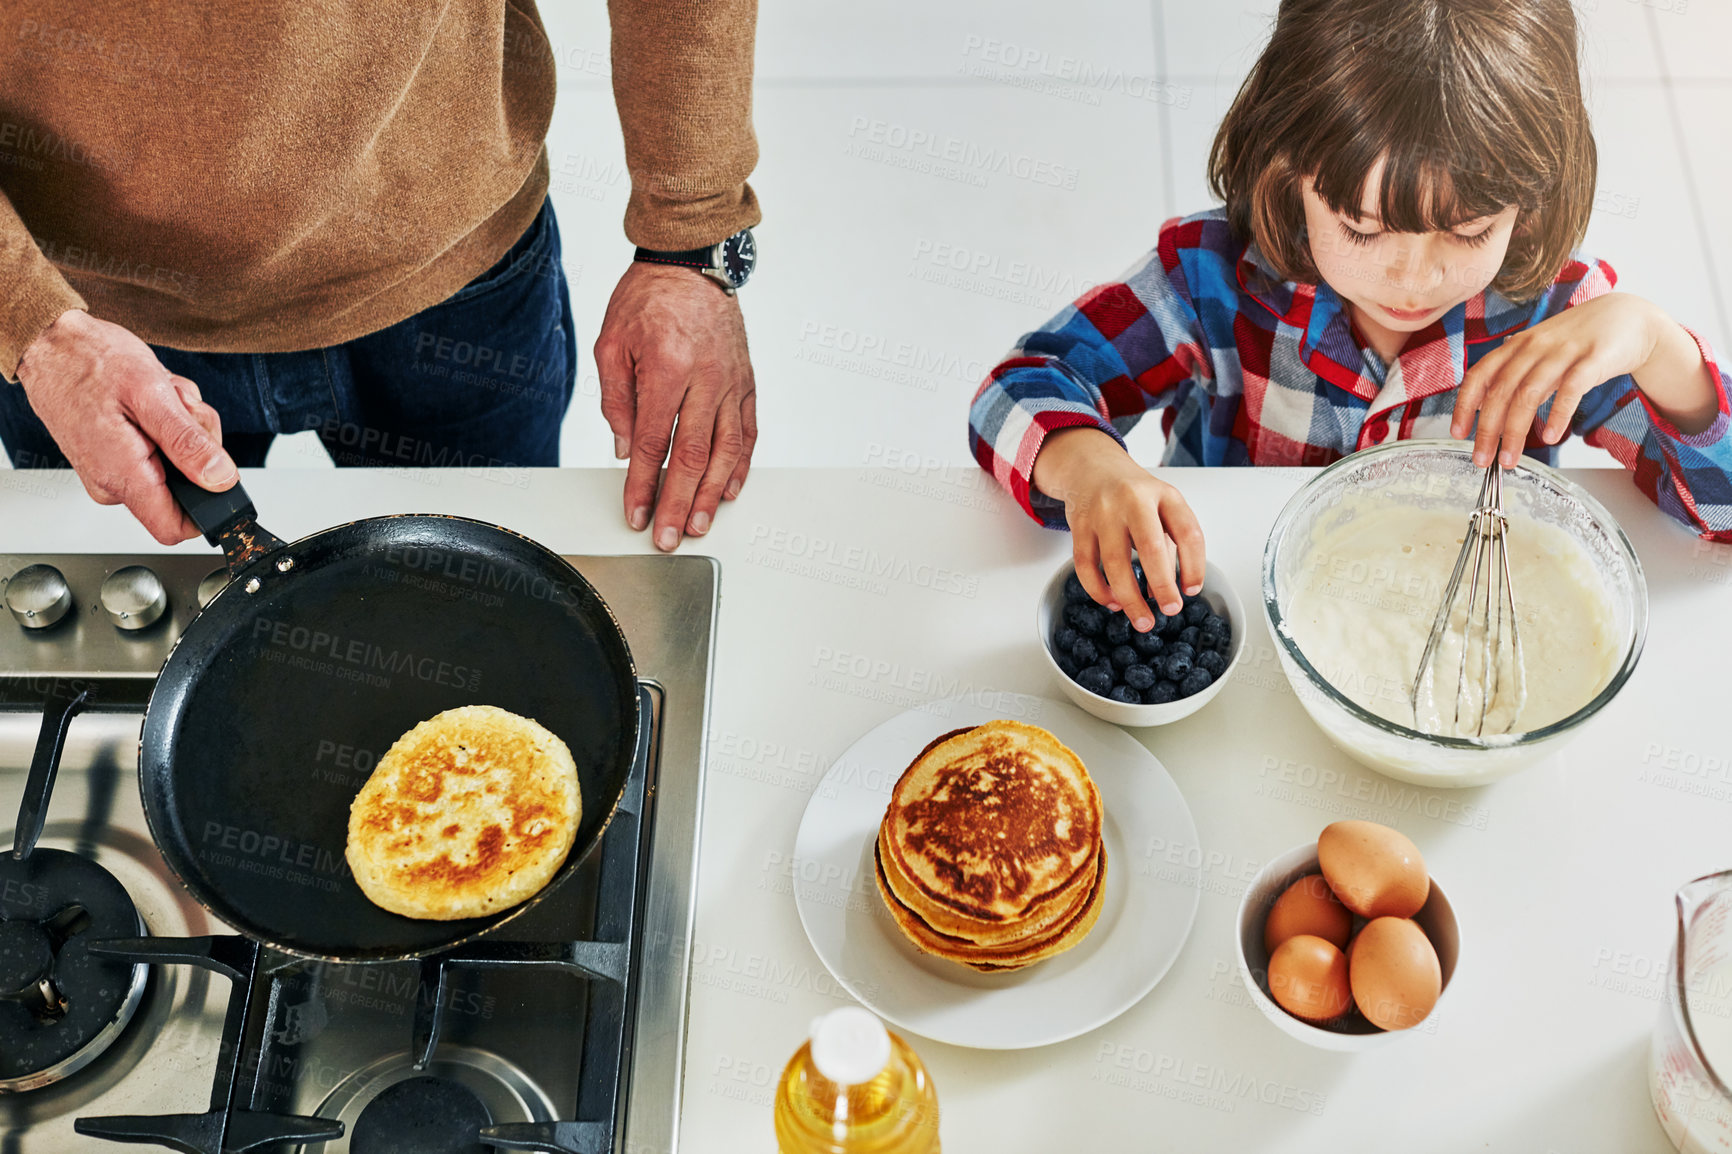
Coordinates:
1487 627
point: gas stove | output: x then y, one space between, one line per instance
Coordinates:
128 1013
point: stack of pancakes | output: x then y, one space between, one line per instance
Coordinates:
990 852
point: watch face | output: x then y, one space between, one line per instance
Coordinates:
739 257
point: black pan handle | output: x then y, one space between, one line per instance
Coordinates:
65 701
227 519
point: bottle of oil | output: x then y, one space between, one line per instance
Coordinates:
855 1088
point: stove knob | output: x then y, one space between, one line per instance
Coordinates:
38 596
213 583
133 597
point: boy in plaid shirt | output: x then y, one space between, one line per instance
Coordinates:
1405 182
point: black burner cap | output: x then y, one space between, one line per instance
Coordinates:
26 956
57 997
421 1116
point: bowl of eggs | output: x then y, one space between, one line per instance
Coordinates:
1346 943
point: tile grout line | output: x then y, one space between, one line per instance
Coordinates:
1169 193
1690 184
936 80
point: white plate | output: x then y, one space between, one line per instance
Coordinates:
1148 910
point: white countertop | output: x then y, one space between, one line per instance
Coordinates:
1562 876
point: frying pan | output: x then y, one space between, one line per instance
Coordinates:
279 697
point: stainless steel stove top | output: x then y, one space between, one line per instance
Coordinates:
337 1040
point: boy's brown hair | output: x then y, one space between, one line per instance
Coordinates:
1474 105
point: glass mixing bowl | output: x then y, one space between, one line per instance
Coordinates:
1441 475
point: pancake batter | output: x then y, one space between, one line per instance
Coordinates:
1362 612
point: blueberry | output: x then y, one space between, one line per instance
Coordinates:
1139 677
1163 692
1063 638
1180 649
1126 694
1173 624
1086 618
1067 666
1191 599
1096 679
1124 657
1175 667
1211 636
1118 629
1137 572
1195 611
1148 644
1195 681
1160 619
1188 636
1085 652
1073 589
1215 662
1214 621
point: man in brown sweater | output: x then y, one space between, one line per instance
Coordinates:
223 222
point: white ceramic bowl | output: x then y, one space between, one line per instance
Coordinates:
1431 475
1436 918
1222 600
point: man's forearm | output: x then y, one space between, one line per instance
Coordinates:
33 294
682 80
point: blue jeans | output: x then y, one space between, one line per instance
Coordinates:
480 380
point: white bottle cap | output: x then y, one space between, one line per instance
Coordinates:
850 1046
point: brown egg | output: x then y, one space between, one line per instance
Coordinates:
1375 871
1308 906
1308 978
1395 976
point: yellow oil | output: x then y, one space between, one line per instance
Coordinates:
894 1113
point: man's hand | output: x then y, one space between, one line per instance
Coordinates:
674 344
111 405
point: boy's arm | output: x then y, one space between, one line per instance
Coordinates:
1121 349
1688 475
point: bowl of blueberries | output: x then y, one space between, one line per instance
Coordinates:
1137 679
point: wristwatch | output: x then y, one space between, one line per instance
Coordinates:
729 263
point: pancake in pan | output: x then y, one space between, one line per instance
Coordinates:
469 813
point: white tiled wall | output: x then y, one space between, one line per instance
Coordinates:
888 283
868 340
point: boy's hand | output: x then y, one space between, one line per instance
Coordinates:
1114 505
1565 356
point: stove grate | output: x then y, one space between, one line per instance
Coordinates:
234 1123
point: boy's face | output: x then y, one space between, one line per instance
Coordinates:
1400 282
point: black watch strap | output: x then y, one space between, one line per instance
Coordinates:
698 258
728 263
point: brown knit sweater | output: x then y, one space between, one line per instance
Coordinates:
270 175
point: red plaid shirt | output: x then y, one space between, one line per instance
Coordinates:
1253 370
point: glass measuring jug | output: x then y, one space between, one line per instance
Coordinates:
1690 1062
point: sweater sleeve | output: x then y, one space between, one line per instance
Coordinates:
1121 349
33 292
682 80
1688 475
